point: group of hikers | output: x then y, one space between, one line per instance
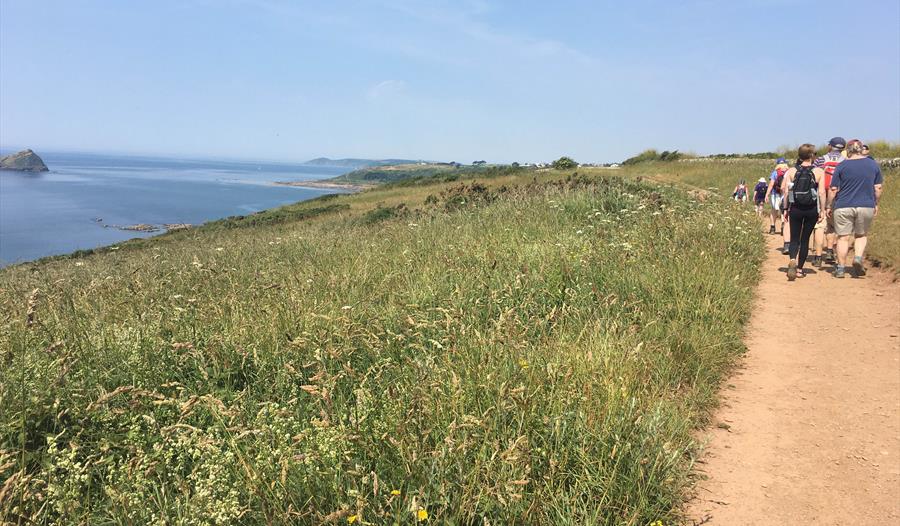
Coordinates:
831 199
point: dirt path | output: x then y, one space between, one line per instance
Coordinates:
809 429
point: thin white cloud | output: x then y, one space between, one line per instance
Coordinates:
466 18
385 89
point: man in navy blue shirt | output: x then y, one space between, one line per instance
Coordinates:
853 202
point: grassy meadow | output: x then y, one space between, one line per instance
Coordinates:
530 348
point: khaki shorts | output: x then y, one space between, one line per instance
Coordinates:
826 223
856 220
821 224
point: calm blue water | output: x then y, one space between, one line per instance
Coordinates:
54 212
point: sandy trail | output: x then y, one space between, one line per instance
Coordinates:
809 428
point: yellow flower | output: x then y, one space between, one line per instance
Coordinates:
351 519
395 492
523 364
422 514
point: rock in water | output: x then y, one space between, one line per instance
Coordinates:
24 161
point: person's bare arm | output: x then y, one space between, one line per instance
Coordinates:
820 180
769 188
788 178
832 193
878 189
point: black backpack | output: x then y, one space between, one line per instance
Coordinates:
805 189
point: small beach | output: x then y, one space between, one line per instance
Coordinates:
326 185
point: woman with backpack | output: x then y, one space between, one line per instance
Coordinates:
740 192
759 198
804 189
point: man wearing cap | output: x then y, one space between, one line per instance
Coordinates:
824 232
853 202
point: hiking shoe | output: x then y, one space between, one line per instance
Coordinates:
801 273
839 271
817 261
772 229
792 270
858 267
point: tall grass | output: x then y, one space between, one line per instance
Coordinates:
884 239
529 354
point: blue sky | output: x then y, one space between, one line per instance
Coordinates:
445 80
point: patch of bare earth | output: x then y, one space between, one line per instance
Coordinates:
809 428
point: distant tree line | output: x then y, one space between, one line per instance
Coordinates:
760 155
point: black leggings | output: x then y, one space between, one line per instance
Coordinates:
803 222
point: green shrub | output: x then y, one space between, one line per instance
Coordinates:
564 163
381 214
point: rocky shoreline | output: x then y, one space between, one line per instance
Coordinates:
146 227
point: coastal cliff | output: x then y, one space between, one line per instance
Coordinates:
24 161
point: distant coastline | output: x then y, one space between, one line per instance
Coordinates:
94 200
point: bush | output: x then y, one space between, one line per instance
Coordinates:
381 214
564 163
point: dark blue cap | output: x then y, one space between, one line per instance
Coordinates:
837 142
781 160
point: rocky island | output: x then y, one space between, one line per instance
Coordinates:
24 161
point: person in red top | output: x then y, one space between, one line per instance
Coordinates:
824 232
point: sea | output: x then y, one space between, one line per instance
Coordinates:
84 197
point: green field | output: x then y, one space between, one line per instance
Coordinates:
533 348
